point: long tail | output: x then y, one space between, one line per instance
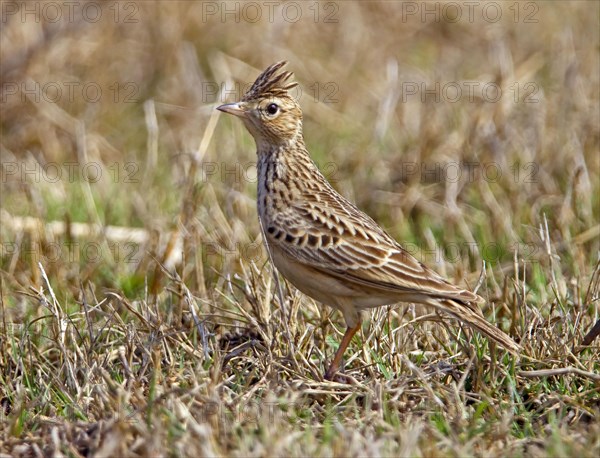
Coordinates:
470 314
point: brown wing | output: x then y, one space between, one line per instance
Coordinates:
329 233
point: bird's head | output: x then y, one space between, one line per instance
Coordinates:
268 110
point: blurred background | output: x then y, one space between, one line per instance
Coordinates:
139 315
470 131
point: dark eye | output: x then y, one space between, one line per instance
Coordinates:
272 108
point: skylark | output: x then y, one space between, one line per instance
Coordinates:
321 242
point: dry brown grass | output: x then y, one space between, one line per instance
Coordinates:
165 334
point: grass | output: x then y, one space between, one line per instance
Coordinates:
140 314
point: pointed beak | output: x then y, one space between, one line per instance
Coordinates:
235 109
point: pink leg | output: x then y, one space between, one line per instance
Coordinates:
339 354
